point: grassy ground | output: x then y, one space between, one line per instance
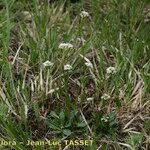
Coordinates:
93 87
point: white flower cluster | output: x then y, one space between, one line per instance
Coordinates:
47 64
84 14
27 15
105 119
90 99
67 67
65 46
88 62
89 65
105 96
111 70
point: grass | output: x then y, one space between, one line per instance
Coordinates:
103 95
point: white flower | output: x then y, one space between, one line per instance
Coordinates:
89 65
48 64
105 119
84 14
67 67
111 70
65 46
105 97
89 99
27 16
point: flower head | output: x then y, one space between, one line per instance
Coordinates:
47 64
89 65
65 46
27 15
84 14
111 70
67 67
105 96
89 99
105 119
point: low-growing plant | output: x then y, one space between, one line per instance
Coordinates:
66 123
135 140
105 125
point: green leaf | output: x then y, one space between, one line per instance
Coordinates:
3 110
53 126
147 126
53 114
62 116
81 124
67 132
